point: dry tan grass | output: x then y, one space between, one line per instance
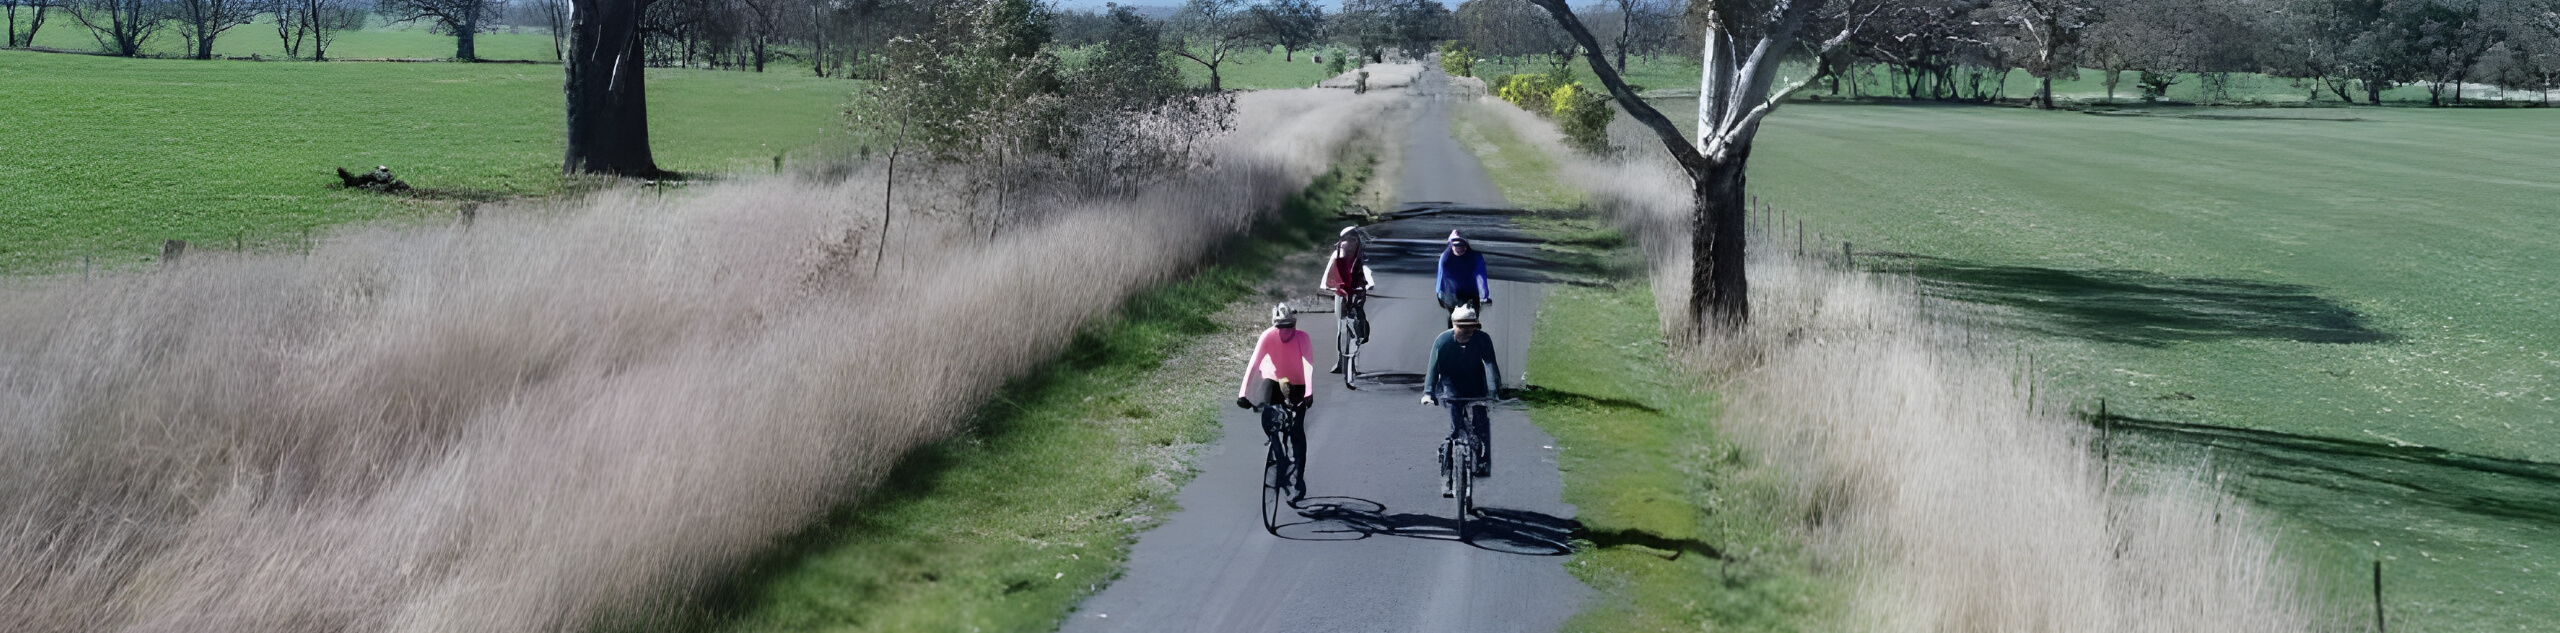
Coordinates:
1929 470
556 417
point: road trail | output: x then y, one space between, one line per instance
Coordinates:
1377 549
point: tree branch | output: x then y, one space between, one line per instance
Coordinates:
1687 155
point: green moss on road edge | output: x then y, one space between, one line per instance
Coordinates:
1009 525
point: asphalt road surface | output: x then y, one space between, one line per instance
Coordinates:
1376 548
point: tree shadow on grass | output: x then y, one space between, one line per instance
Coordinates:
2140 307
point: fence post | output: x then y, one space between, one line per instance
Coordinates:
2106 446
1847 259
171 250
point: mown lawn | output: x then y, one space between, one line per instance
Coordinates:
1258 70
2340 284
109 156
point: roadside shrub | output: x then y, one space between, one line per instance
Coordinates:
1335 63
1531 92
1457 60
1584 115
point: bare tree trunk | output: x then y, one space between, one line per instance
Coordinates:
1719 293
608 104
463 47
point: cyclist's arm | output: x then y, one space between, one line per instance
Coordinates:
1431 377
1332 279
1252 364
1492 367
1368 278
1484 284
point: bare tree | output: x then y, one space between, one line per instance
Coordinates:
462 18
1745 42
1410 27
200 21
2044 31
1207 31
1504 29
35 20
1288 24
608 101
121 26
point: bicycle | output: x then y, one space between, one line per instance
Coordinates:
1284 476
1458 457
1351 329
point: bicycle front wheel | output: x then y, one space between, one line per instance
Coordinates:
1275 482
1462 481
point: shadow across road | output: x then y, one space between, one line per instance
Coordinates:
1494 529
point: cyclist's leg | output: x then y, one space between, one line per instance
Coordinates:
1360 318
1341 335
1296 428
1483 424
1270 406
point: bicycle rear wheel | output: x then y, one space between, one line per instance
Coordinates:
1346 339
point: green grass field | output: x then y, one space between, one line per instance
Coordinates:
1258 70
2338 286
108 156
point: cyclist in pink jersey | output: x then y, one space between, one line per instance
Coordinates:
1282 359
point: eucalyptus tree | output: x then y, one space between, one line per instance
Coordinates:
608 105
2046 34
200 21
462 18
1505 29
314 24
120 26
1288 24
35 10
1207 31
1410 27
1744 43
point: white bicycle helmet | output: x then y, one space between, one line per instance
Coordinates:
1282 314
1464 314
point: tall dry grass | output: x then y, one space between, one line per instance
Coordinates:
1930 470
557 417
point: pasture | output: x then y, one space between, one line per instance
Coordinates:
2356 302
110 156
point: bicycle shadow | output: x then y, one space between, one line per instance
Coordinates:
1523 532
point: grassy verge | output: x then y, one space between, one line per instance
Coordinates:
1007 526
109 156
1683 531
1527 176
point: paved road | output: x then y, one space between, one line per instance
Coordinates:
1377 550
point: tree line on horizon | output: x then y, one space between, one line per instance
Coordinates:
2349 50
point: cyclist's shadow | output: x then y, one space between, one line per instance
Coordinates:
1494 529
